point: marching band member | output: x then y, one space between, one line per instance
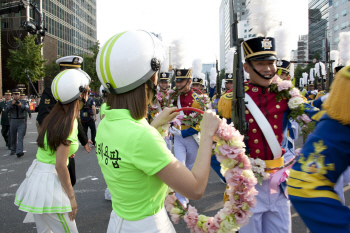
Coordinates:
186 138
269 123
134 160
323 159
47 190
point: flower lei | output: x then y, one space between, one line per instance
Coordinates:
236 167
286 90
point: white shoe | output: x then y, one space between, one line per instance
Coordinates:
108 195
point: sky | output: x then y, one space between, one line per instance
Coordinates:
197 21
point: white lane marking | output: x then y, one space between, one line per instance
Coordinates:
3 170
84 178
33 142
94 178
24 151
13 185
6 155
32 132
7 194
86 191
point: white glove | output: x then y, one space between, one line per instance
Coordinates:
324 98
314 92
212 84
175 131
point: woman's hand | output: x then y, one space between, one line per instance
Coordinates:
210 123
167 115
74 206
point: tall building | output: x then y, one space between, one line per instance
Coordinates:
226 20
318 24
303 49
339 18
72 24
71 28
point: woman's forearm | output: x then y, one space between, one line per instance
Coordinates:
63 175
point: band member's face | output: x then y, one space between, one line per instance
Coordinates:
164 86
266 68
197 86
183 86
311 88
285 76
22 97
228 86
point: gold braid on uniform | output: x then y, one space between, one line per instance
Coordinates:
225 106
337 104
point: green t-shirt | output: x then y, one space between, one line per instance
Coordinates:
130 153
103 109
47 156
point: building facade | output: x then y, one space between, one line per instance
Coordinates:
72 24
226 20
71 28
339 19
303 49
318 26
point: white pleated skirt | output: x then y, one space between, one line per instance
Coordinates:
41 191
158 223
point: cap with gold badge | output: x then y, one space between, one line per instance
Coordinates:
70 61
260 49
164 76
183 74
16 91
7 92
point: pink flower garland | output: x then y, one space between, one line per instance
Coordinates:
235 166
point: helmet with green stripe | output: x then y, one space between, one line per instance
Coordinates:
128 60
68 85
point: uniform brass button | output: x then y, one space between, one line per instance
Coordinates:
246 112
257 151
185 94
256 141
277 136
254 130
275 116
275 127
278 107
251 120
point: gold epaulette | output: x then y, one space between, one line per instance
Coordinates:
225 105
320 94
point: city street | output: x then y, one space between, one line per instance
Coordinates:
93 209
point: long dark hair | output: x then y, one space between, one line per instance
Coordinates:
136 101
58 125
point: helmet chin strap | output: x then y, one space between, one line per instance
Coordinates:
262 76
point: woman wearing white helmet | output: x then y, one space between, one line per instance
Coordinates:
134 159
47 191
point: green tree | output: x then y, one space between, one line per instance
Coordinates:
26 57
90 67
51 70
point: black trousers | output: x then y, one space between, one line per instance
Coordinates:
5 132
90 124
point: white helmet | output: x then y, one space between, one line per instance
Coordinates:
102 90
129 59
68 85
86 74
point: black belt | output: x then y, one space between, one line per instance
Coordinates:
17 118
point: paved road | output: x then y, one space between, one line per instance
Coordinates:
93 209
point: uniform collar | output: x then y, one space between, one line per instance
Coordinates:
257 88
